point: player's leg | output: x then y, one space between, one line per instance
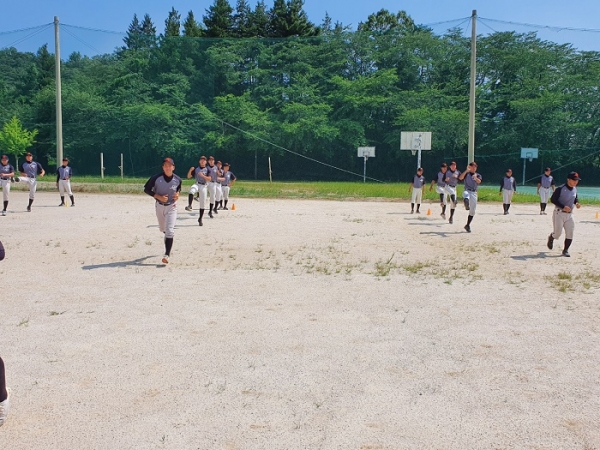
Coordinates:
219 197
5 192
472 209
557 226
61 192
202 201
70 192
193 191
4 395
225 196
211 193
170 215
451 192
419 198
569 225
32 189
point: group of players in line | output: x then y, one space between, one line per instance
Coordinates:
564 197
212 180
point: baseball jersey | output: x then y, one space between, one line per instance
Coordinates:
565 196
470 183
64 173
160 184
31 169
509 184
452 177
229 178
4 169
546 181
200 170
418 181
441 177
213 172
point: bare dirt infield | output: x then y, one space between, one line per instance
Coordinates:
297 325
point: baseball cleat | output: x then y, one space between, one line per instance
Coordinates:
443 215
3 213
29 209
550 242
210 214
188 208
165 259
215 211
226 208
62 204
450 221
468 228
412 212
566 253
4 406
541 213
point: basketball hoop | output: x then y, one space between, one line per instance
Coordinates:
414 152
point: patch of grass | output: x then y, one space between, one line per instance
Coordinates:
416 267
24 323
56 313
383 268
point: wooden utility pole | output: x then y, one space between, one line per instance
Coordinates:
59 130
472 87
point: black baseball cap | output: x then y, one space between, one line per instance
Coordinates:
65 159
4 157
573 176
203 157
444 165
547 169
226 164
169 160
28 154
473 164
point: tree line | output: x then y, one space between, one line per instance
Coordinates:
247 84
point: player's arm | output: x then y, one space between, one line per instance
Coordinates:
462 176
177 191
555 197
232 179
149 186
22 171
57 175
478 179
41 170
431 185
501 185
514 183
189 174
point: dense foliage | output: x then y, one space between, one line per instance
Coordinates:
248 84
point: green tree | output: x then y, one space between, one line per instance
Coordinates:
133 37
173 24
14 139
191 28
219 20
242 20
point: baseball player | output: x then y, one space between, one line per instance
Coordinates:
472 181
228 181
544 189
30 169
440 188
508 187
219 191
417 190
213 171
63 182
201 177
451 180
564 199
165 187
7 171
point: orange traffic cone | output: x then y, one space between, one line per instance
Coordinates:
428 211
233 207
597 215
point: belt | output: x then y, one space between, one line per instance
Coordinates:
164 204
471 190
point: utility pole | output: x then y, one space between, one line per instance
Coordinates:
472 87
59 136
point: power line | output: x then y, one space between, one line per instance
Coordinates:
548 27
25 29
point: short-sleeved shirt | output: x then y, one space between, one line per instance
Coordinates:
64 172
440 180
418 181
452 177
546 181
565 196
198 171
508 183
160 184
213 172
229 178
470 183
4 169
31 169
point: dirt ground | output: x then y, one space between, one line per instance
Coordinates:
297 325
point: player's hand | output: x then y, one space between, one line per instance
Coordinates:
162 198
578 205
176 196
567 209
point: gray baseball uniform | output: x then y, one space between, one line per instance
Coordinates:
6 172
564 196
166 212
31 170
471 187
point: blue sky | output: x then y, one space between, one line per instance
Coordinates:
115 15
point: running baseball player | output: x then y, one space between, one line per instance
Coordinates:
213 171
417 190
219 192
472 181
228 181
165 187
7 172
440 188
508 187
564 199
30 169
63 182
201 177
4 395
545 188
451 180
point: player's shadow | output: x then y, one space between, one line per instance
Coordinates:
443 234
590 221
136 262
538 255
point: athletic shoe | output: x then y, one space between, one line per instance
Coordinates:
220 207
550 242
165 259
468 228
210 214
215 211
226 208
62 204
72 204
188 208
443 215
545 213
200 222
29 209
566 253
418 212
412 212
505 213
450 221
3 213
4 406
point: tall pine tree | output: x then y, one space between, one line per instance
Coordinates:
219 20
132 38
191 28
242 20
173 24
